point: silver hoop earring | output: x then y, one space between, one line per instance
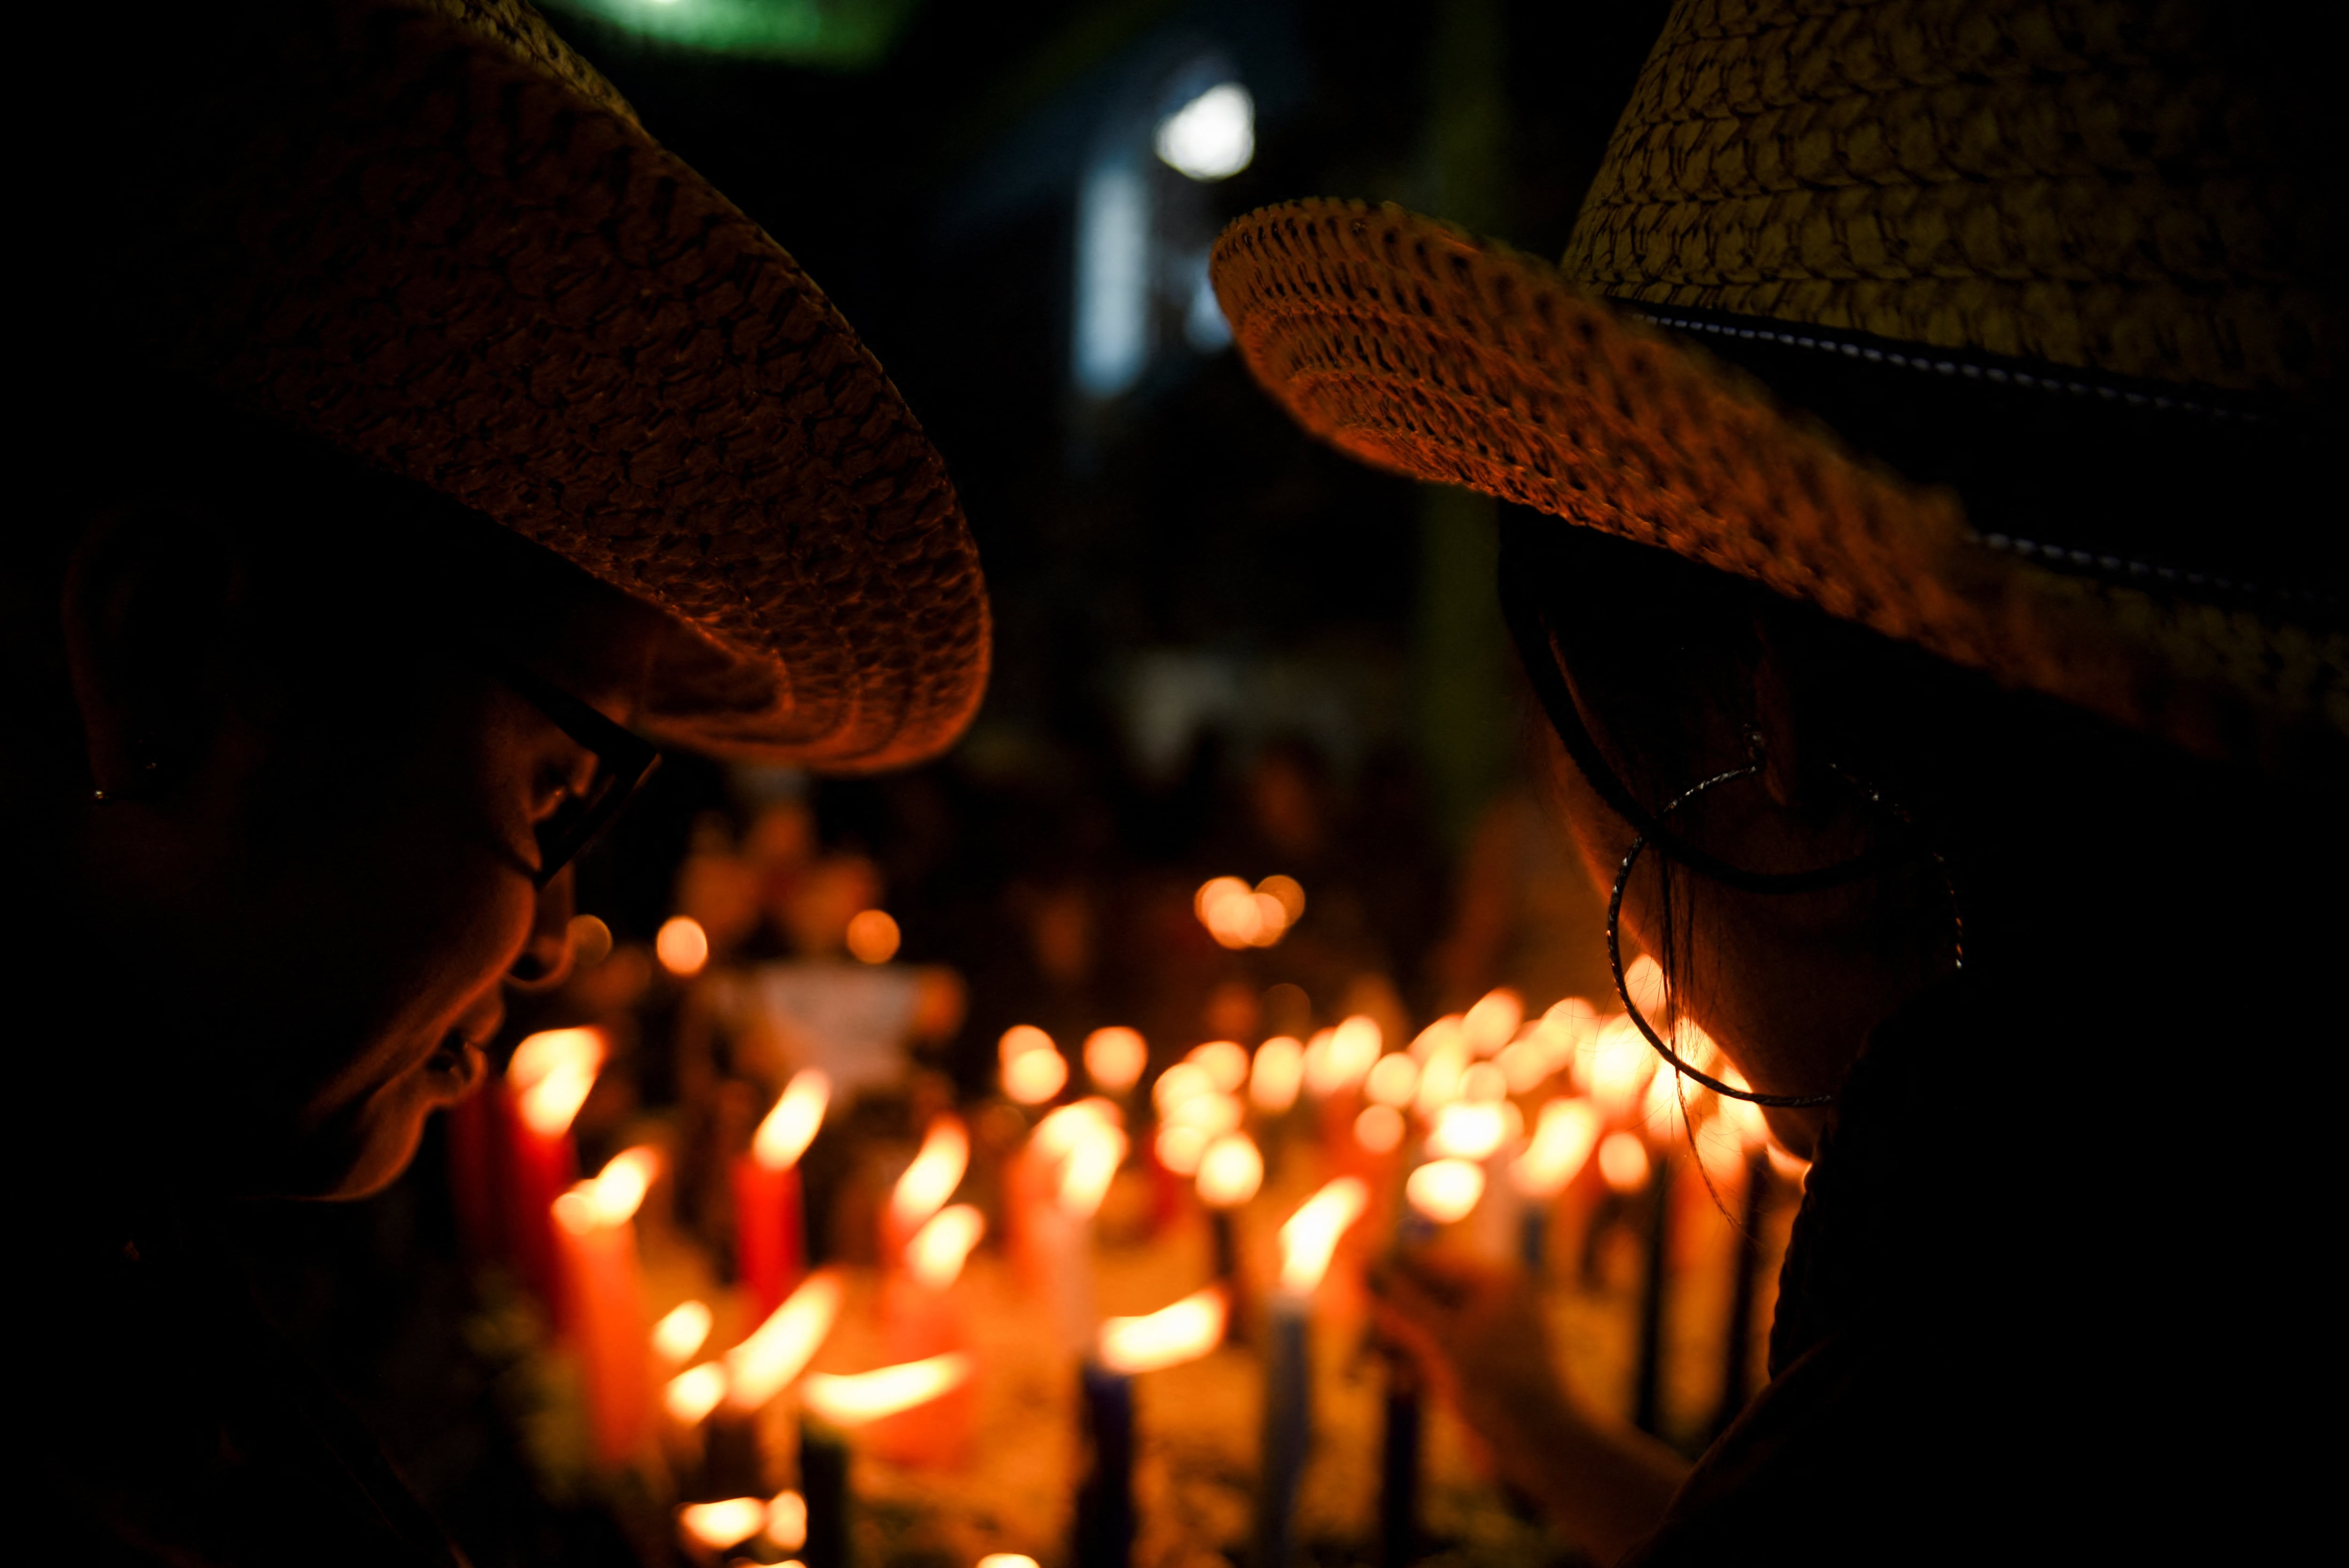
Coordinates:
1615 938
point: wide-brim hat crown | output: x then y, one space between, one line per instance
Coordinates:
429 232
2008 329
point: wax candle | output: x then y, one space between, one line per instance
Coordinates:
823 1482
1104 1513
921 1317
595 1220
1308 1242
1399 1449
474 1175
926 1185
545 1084
832 1402
770 1222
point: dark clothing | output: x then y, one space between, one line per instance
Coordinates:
2025 1311
179 1429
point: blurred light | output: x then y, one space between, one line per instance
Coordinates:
1212 1114
552 1072
683 1330
1181 1082
1379 1129
1643 982
872 936
1167 1337
1310 1236
1489 1024
757 1369
681 946
1742 1116
1485 1083
1230 1171
1065 1127
1393 1079
1213 891
938 1250
719 1525
1443 1034
612 1196
1225 1062
1213 137
693 1393
1006 1560
1563 1139
1288 893
1091 1165
858 1398
591 941
933 1175
1180 1149
1018 1040
1114 1058
1445 1189
1622 1063
1525 1064
1113 284
1468 1130
1623 1160
1787 1163
1441 1075
1277 1073
1666 1104
1719 1150
1034 1077
787 1520
785 1133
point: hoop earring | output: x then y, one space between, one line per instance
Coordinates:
1615 933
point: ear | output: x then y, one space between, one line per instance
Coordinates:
147 606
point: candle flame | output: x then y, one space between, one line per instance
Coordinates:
719 1525
854 1398
683 1330
1488 1025
612 1195
1620 1064
1225 1062
1180 1148
1445 1189
1311 1237
1393 1081
1033 1078
1441 1075
776 1352
787 1130
1182 1081
1091 1164
552 1072
935 1173
693 1393
787 1520
1067 1126
1485 1083
1210 1113
681 946
1237 915
1115 1057
1167 1337
1379 1129
1563 1139
1278 1074
1443 1034
1470 1129
1006 1560
873 936
1524 1063
1230 1171
935 1257
1623 1160
1643 982
1018 1040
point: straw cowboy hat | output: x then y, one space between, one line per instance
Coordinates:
426 231
2007 327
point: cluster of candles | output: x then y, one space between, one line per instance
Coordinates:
1477 1124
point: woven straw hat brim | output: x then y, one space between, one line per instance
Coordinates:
1415 348
431 234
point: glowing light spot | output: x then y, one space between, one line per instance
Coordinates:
693 1393
1488 1025
1470 1129
1485 1083
1286 892
1623 1160
1563 1139
775 1353
719 1525
1064 1128
873 936
1525 1064
1440 1076
1309 1238
1393 1081
551 1073
1379 1129
857 1398
787 1520
1006 1560
938 1250
1180 1149
1182 1081
681 946
612 1195
786 1131
1787 1163
1018 1040
1620 1064
1034 1077
933 1175
1088 1168
1441 1035
1225 1062
590 939
1230 1171
1278 1074
1115 1057
1167 1337
682 1330
1643 982
1213 137
1445 1189
1210 1113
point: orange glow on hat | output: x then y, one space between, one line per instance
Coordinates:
1115 1057
681 946
786 1131
938 1250
1309 1238
1167 1337
854 1398
933 1175
1445 1189
775 1353
1230 1171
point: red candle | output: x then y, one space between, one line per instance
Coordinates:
922 1317
770 1226
595 1224
545 1085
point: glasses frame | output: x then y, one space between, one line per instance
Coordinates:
625 761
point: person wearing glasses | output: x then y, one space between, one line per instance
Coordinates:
1915 546
421 448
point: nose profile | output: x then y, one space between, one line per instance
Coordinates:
545 959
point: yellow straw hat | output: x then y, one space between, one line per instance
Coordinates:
2013 330
430 234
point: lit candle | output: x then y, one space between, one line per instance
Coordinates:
1565 1134
1125 1346
1230 1171
1308 1242
1399 1446
595 1220
928 1182
1076 1151
770 1222
546 1083
920 1317
831 1403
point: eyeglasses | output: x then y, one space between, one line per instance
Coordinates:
623 762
